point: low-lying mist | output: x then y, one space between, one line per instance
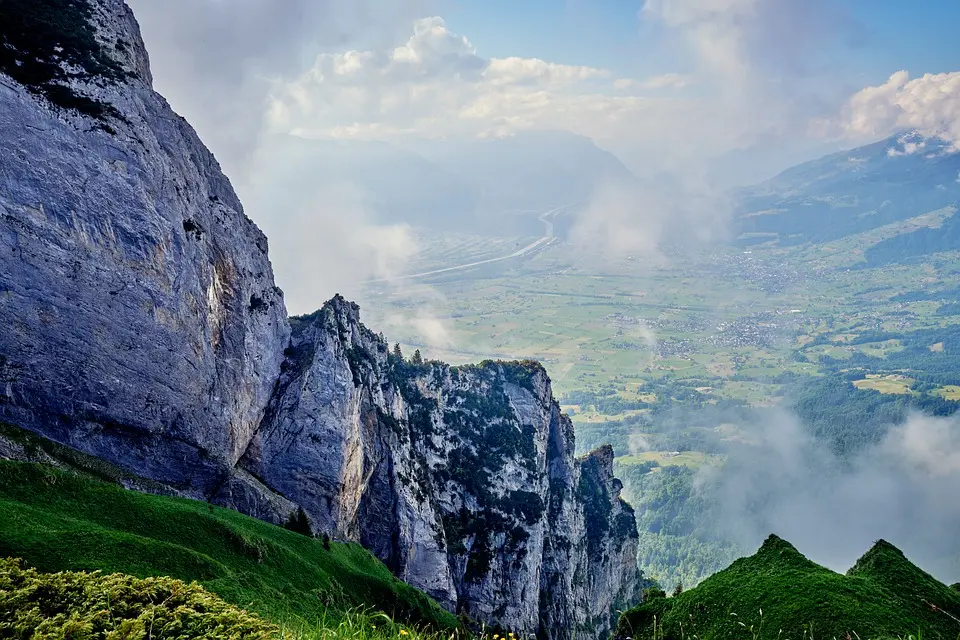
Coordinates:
778 478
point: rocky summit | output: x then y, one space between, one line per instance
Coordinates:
142 325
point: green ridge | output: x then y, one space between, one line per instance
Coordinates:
779 593
61 521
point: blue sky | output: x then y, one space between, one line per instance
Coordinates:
753 85
879 36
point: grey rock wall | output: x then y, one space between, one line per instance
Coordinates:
140 318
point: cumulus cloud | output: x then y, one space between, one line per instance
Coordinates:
216 61
929 104
435 85
219 62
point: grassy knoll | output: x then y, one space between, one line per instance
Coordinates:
778 593
60 521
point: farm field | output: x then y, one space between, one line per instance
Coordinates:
726 318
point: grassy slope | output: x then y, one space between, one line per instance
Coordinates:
57 520
883 596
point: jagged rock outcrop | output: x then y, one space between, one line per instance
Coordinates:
462 479
140 318
142 326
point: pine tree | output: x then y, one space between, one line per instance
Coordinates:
397 353
417 358
298 522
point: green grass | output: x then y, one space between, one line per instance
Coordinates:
58 521
778 593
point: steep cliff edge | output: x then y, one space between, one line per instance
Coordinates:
142 326
462 479
141 321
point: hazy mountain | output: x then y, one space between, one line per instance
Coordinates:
532 170
483 186
391 183
852 191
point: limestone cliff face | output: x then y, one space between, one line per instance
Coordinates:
141 325
462 479
140 318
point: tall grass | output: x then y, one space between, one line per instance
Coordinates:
361 624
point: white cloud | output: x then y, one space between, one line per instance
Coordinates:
636 219
435 85
666 81
929 444
715 28
662 81
929 104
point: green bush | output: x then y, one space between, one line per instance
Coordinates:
81 606
298 522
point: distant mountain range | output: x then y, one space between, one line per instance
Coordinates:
494 187
854 191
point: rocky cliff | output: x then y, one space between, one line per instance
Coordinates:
142 326
462 479
141 321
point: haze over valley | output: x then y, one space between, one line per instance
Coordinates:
701 260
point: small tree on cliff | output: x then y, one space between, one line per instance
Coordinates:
417 359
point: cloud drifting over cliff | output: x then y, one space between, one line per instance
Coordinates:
833 508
